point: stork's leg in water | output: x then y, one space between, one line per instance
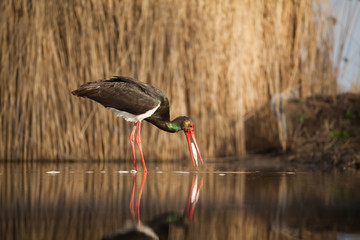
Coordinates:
138 141
132 144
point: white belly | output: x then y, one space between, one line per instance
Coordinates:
134 118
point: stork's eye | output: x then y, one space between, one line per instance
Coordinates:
191 126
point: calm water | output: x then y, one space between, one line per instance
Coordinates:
219 201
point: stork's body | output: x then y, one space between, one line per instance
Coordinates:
136 101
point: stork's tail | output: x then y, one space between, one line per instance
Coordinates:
87 89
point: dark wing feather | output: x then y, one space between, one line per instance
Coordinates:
125 94
163 112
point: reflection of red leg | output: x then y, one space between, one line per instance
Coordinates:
139 196
132 198
132 144
138 140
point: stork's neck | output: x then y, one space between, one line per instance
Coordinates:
169 126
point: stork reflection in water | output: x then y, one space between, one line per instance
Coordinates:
158 227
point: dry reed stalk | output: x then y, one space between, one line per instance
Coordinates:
216 61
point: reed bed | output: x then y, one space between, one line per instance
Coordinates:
215 60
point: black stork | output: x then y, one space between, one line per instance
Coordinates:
136 101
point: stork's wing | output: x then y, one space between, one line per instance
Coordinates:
127 95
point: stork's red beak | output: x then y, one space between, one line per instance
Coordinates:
192 134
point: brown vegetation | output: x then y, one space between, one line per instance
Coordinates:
325 129
320 129
216 61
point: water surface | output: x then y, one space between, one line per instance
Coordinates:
218 201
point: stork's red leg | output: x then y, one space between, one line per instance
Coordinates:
138 140
132 144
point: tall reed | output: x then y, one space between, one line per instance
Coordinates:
216 61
